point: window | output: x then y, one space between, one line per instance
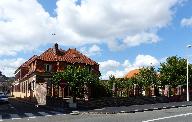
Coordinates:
48 67
32 85
24 87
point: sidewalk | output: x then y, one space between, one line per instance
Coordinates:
121 109
63 110
140 108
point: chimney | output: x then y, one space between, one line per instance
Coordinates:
56 48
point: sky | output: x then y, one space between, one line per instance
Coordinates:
121 35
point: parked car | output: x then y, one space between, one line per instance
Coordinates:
3 98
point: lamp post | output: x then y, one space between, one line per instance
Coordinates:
188 46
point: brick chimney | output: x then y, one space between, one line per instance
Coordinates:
56 48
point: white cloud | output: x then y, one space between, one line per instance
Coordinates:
121 69
126 63
93 50
109 65
139 38
145 60
8 66
116 73
186 22
25 25
134 22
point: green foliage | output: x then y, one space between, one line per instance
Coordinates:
77 78
111 81
129 82
102 89
147 76
57 77
173 71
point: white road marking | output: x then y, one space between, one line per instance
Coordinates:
1 118
30 115
75 113
44 114
14 116
168 117
100 109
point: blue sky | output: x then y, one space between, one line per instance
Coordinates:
121 35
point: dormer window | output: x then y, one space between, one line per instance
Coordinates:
48 67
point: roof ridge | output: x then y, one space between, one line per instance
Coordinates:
25 63
81 54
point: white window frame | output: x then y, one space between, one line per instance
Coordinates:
48 67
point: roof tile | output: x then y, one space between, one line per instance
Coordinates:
132 73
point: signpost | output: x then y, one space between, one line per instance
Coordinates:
63 84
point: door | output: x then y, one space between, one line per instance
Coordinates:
41 93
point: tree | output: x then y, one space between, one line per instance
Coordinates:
124 86
173 71
120 86
146 77
111 81
112 84
77 78
103 89
128 85
5 83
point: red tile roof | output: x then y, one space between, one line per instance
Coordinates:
71 56
132 73
55 54
26 64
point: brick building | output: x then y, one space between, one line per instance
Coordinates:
33 78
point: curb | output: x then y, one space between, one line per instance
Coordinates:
143 110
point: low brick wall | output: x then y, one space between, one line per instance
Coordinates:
56 102
31 100
119 101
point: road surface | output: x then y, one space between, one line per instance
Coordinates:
20 112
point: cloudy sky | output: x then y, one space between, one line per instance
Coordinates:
119 34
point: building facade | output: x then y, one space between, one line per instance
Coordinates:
33 78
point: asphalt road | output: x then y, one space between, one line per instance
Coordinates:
16 110
19 112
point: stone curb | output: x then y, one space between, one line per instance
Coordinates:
143 110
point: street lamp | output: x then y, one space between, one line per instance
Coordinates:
188 46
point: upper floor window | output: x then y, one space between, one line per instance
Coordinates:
48 67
